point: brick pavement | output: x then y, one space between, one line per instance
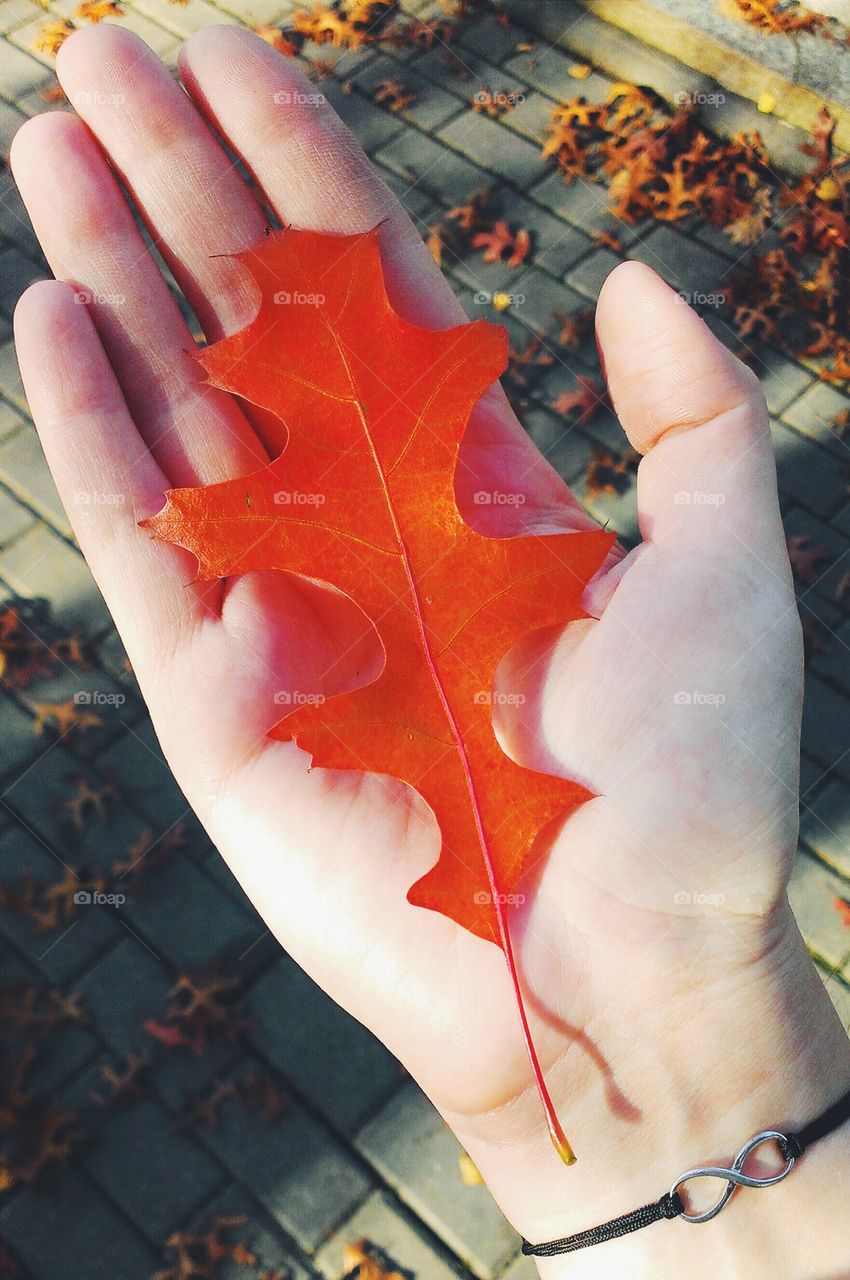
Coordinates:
356 1150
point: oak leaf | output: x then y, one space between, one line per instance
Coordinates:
362 498
500 241
588 398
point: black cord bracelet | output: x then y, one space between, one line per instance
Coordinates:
671 1205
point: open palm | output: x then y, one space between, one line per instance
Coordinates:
678 703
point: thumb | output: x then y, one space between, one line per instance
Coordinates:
707 481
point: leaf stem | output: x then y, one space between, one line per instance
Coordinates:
557 1136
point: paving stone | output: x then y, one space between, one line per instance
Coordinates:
41 564
826 726
10 121
535 294
583 203
58 954
432 107
121 990
15 224
560 442
461 71
259 1233
413 1148
492 146
373 127
617 512
814 413
181 1077
531 117
10 376
782 381
839 994
521 1268
183 19
187 918
547 68
555 247
112 656
684 264
11 421
257 12
811 775
834 661
492 39
153 34
14 518
60 1053
419 205
842 520
93 692
137 762
17 272
402 1247
263 947
433 169
38 792
13 13
807 472
799 523
41 99
24 469
812 894
70 1231
590 274
825 826
302 1176
21 70
339 1065
17 743
154 1172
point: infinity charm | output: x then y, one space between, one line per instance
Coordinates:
733 1176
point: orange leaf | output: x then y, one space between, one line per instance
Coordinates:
362 498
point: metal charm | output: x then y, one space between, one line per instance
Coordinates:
733 1176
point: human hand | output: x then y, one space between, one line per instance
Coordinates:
694 799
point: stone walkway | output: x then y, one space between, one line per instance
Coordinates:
301 1123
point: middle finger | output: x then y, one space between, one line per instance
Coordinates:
196 433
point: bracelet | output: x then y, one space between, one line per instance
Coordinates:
671 1205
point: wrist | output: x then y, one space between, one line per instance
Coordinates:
695 1069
